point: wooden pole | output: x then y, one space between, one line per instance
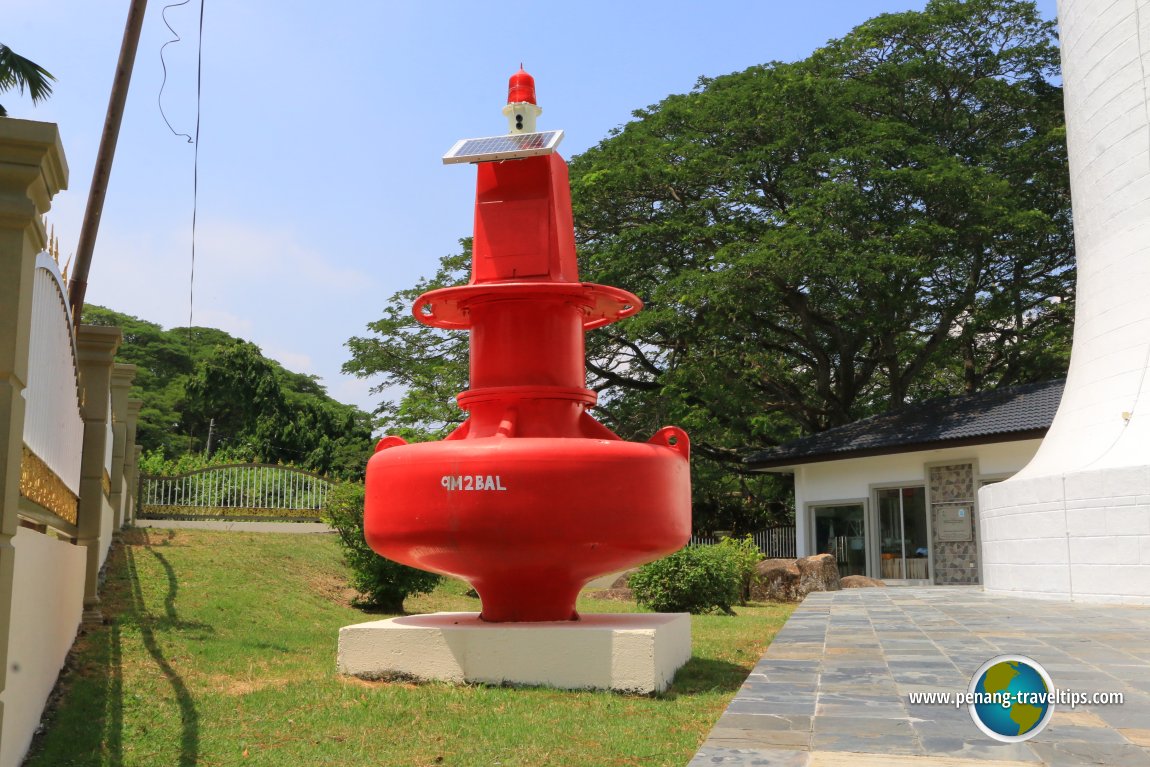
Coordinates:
78 285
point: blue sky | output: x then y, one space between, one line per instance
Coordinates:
321 190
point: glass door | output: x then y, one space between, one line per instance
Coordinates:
840 530
903 541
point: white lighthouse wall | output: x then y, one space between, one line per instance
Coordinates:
1075 523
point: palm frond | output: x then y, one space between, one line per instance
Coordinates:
20 73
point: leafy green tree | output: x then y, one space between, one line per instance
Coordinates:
236 393
885 221
256 408
20 73
164 361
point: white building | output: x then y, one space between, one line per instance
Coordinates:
894 496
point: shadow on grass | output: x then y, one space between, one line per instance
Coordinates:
85 720
699 675
189 717
85 728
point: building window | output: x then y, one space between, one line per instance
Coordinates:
904 542
841 531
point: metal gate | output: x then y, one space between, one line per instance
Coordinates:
237 492
775 542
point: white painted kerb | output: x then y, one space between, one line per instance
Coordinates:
627 652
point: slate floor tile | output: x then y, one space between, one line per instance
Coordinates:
709 756
978 748
1074 754
837 679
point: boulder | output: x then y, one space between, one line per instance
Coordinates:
776 580
789 580
860 582
818 573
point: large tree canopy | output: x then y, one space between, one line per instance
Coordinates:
884 221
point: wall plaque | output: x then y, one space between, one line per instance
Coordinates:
954 521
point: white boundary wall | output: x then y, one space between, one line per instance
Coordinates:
48 600
53 427
1075 523
107 523
109 440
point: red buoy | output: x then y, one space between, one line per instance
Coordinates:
531 497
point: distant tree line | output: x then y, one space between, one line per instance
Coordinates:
188 377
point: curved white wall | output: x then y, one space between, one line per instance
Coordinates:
1075 523
53 428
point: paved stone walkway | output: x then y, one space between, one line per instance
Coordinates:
832 689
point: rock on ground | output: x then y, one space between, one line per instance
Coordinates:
776 580
789 580
818 573
860 582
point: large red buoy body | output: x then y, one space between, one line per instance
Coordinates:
531 497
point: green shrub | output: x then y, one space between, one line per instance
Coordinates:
382 583
697 579
156 464
745 553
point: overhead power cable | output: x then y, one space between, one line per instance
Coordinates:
192 139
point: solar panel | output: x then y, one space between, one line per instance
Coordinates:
507 147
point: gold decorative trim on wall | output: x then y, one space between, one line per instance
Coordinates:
39 484
106 484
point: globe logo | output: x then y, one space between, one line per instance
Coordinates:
1009 697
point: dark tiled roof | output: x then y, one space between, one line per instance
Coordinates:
1018 412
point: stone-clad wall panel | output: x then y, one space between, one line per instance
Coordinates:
953 485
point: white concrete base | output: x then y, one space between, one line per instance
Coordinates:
625 652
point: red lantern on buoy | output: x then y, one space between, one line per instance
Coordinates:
521 88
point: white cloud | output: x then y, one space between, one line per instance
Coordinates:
358 391
134 273
297 303
275 256
241 327
294 361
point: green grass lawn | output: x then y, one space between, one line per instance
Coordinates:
219 649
